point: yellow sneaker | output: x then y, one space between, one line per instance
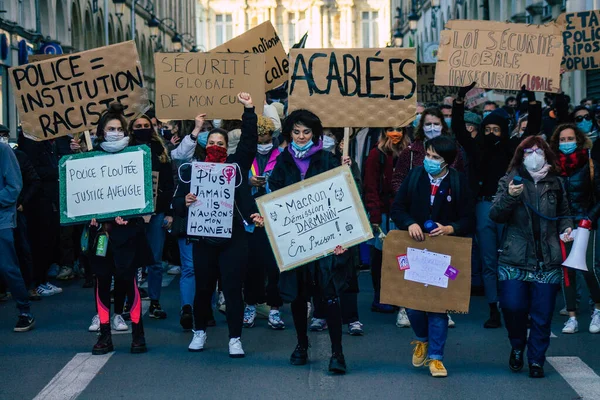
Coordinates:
419 353
436 368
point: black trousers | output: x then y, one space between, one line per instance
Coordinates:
348 304
261 264
229 261
376 260
44 232
23 248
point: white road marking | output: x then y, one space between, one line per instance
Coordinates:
578 375
74 377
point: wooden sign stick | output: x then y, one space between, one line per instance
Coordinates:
346 141
88 140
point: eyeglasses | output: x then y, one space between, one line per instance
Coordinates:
114 130
580 118
492 130
537 151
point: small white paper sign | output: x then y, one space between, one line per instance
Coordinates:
212 213
427 267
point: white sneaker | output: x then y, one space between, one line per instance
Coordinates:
118 323
571 326
249 316
451 323
564 312
595 324
54 288
65 273
198 341
402 320
95 326
235 348
308 309
174 270
221 303
45 291
275 321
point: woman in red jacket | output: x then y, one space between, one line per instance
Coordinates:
379 196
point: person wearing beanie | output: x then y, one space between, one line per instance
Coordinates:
489 154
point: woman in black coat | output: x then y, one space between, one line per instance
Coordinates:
302 159
218 256
529 266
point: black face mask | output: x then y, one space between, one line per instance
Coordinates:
143 135
491 140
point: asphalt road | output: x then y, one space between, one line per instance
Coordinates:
54 361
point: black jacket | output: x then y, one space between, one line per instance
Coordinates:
332 271
448 208
581 191
529 239
243 157
43 157
32 185
166 187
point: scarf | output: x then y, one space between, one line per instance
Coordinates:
569 163
216 154
116 146
541 174
303 160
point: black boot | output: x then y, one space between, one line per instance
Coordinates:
516 360
337 363
536 371
138 344
495 318
186 319
300 355
104 344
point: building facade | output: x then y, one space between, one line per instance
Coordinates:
77 25
329 23
577 84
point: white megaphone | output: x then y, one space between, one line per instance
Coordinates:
578 252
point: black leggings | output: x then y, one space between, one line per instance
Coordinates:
261 262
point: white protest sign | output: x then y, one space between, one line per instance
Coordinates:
101 185
427 267
307 220
212 213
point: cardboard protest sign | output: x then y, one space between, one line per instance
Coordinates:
424 290
475 97
500 55
262 39
104 186
307 220
191 83
372 88
212 214
68 94
427 91
581 39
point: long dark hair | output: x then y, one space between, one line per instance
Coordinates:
114 111
531 141
580 137
436 112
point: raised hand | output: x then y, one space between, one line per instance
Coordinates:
462 92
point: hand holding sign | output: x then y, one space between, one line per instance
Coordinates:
190 199
258 221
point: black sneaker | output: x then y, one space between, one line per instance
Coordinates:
24 323
337 363
536 370
143 294
516 360
187 318
299 356
156 311
495 320
126 312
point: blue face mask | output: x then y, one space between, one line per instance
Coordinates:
448 121
486 113
567 148
203 139
417 120
585 126
433 167
302 148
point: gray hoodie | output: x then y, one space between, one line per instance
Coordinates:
11 184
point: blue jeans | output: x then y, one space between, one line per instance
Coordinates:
155 234
489 235
432 328
9 270
187 283
519 299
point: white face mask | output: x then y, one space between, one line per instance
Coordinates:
4 139
534 162
264 148
328 143
112 136
432 131
217 123
116 146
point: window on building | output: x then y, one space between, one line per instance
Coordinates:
336 27
370 29
224 26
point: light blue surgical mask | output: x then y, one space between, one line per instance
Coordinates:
568 147
585 126
328 143
486 113
448 121
203 139
417 120
302 148
433 167
264 149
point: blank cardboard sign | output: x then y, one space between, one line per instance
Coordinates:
188 84
499 55
580 40
400 292
262 39
67 94
373 88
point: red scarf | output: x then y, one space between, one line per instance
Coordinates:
216 154
569 163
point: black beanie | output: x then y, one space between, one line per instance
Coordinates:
497 117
